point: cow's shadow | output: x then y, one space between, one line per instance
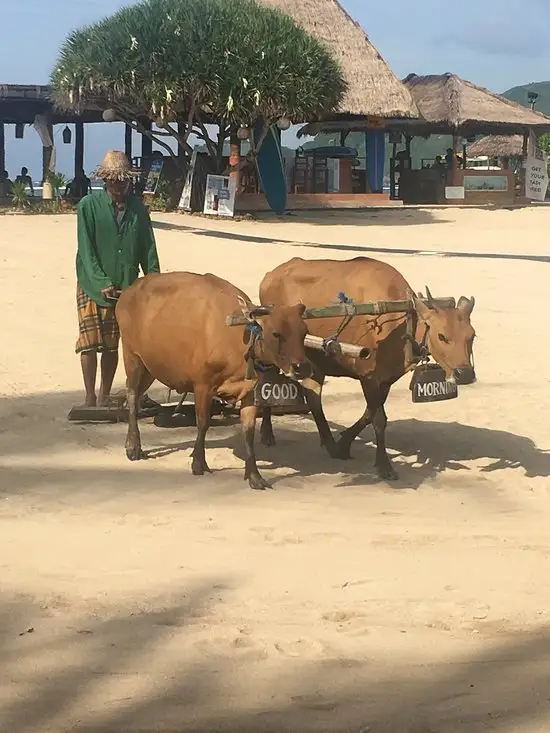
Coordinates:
421 450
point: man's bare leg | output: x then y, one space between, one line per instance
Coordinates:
88 362
109 363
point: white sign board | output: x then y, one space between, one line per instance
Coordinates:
454 192
536 171
219 199
185 200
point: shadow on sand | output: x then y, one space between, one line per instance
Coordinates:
427 448
175 667
352 248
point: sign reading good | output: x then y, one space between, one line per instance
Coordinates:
428 384
276 390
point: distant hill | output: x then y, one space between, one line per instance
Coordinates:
519 95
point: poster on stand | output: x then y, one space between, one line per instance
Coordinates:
185 200
220 195
153 176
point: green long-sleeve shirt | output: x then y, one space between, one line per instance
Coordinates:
110 254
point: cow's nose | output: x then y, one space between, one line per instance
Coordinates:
465 375
302 369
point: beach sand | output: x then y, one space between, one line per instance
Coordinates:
136 597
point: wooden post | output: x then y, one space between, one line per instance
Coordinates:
454 167
128 141
523 171
47 154
235 157
2 148
78 147
146 142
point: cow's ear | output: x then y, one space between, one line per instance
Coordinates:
466 305
301 309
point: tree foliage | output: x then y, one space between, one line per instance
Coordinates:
229 62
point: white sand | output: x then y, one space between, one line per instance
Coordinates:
164 602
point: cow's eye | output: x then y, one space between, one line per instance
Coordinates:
443 338
276 335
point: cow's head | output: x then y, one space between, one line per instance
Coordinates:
281 341
449 337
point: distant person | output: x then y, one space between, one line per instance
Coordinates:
449 158
24 177
6 186
79 187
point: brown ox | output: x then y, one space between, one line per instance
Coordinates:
447 334
173 329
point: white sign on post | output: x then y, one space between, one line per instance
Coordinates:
219 199
536 171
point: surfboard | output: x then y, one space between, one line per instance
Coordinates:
271 168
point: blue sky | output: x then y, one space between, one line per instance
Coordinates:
484 42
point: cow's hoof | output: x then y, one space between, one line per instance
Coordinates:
268 439
343 450
199 468
387 473
256 482
135 454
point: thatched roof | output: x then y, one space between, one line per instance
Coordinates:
450 104
497 146
373 88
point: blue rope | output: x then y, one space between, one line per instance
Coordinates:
255 329
343 298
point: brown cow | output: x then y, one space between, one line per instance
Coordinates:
173 329
446 333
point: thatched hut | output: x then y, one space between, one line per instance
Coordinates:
497 146
373 89
450 105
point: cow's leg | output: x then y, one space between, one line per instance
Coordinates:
203 408
138 380
248 426
266 429
314 402
376 396
348 436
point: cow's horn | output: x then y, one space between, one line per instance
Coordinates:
428 294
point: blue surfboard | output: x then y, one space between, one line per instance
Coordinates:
271 168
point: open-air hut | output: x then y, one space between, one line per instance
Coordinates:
497 147
449 105
375 94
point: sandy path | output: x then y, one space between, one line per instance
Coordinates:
334 603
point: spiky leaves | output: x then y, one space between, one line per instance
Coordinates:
229 60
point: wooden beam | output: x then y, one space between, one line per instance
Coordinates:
146 142
78 147
128 141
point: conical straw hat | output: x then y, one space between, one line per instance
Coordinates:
115 167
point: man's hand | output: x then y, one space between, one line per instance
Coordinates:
110 293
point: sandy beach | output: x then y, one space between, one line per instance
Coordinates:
136 597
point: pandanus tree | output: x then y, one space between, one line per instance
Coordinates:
229 63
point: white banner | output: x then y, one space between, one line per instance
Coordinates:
536 171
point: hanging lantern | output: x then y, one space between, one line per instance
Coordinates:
283 123
67 135
243 133
109 115
19 130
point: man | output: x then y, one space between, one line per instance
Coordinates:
24 177
79 187
115 239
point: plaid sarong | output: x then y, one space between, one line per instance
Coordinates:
97 326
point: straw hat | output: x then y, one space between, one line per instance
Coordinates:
115 167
